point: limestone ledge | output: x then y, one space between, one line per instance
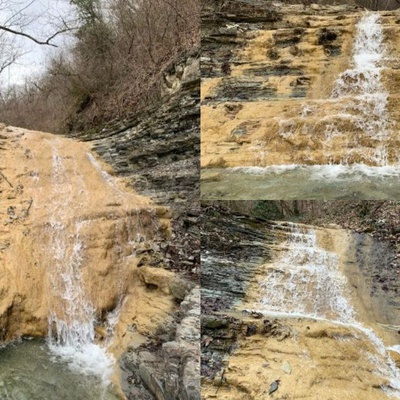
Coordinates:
268 71
53 202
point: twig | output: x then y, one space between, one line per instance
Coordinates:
29 207
46 42
378 207
222 381
5 178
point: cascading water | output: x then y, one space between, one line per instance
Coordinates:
72 318
305 281
341 146
361 90
303 269
358 105
70 250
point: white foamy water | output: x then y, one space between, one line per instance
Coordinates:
362 85
305 281
72 319
301 182
364 77
357 106
328 171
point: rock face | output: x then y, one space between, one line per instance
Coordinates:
268 93
71 230
230 242
158 154
172 371
246 348
61 212
159 149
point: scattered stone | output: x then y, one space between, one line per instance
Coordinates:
286 368
214 322
326 35
274 386
251 330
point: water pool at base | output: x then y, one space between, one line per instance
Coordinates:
29 371
296 182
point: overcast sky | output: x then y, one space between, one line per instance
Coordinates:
39 18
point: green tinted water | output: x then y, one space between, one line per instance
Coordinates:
328 182
29 371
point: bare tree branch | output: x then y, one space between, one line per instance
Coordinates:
8 62
47 42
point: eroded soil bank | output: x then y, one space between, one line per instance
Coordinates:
60 206
301 307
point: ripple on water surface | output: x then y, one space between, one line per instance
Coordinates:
29 371
298 182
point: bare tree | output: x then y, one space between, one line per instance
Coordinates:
47 41
16 18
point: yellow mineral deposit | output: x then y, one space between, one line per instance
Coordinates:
303 122
72 238
343 353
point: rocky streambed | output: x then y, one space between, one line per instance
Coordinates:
300 314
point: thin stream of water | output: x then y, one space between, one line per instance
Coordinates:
305 281
359 116
72 319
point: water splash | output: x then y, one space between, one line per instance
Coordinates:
305 281
72 318
360 88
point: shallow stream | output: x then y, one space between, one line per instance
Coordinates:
29 371
297 182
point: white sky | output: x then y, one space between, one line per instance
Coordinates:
41 18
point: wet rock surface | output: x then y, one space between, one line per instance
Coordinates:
279 62
233 247
157 152
247 353
375 243
59 211
375 260
169 366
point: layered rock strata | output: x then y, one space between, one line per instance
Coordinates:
269 71
247 350
61 210
157 152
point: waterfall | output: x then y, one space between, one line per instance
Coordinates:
357 106
361 91
305 281
72 316
338 146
